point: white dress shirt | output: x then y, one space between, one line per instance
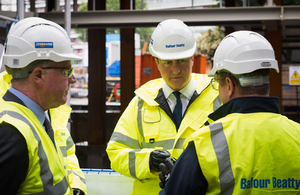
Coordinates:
186 94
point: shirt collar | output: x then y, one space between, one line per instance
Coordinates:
187 91
30 104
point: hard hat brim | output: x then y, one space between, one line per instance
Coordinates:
243 67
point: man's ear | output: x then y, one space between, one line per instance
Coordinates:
157 62
37 75
230 87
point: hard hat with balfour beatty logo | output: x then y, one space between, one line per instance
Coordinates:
172 40
243 52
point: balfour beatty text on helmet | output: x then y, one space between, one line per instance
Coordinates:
176 45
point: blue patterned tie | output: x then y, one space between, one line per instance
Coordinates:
177 113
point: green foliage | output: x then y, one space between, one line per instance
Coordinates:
112 5
290 2
82 32
209 41
145 35
218 4
83 7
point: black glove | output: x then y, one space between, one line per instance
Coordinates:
166 169
77 192
157 157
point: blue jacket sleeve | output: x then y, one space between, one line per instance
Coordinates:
186 176
14 159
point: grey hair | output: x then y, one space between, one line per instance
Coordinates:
20 73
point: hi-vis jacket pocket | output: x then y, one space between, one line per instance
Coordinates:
151 119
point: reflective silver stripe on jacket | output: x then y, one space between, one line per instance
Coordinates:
220 145
139 118
134 144
81 178
125 140
69 144
63 150
46 174
132 163
179 143
166 144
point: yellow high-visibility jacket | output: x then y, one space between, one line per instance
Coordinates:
147 123
46 172
5 79
250 151
59 119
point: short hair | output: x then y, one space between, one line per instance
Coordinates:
24 72
251 90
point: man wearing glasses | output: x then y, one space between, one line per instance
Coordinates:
249 148
34 141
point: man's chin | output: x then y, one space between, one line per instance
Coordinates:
177 87
63 101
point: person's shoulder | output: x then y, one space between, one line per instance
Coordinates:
10 132
198 76
202 132
5 80
6 126
154 83
14 158
203 82
202 79
149 90
61 113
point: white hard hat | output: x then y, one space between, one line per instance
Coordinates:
35 38
171 40
243 52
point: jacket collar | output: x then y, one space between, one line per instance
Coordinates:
247 105
149 91
163 104
12 98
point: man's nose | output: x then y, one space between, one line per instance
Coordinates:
72 79
175 67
